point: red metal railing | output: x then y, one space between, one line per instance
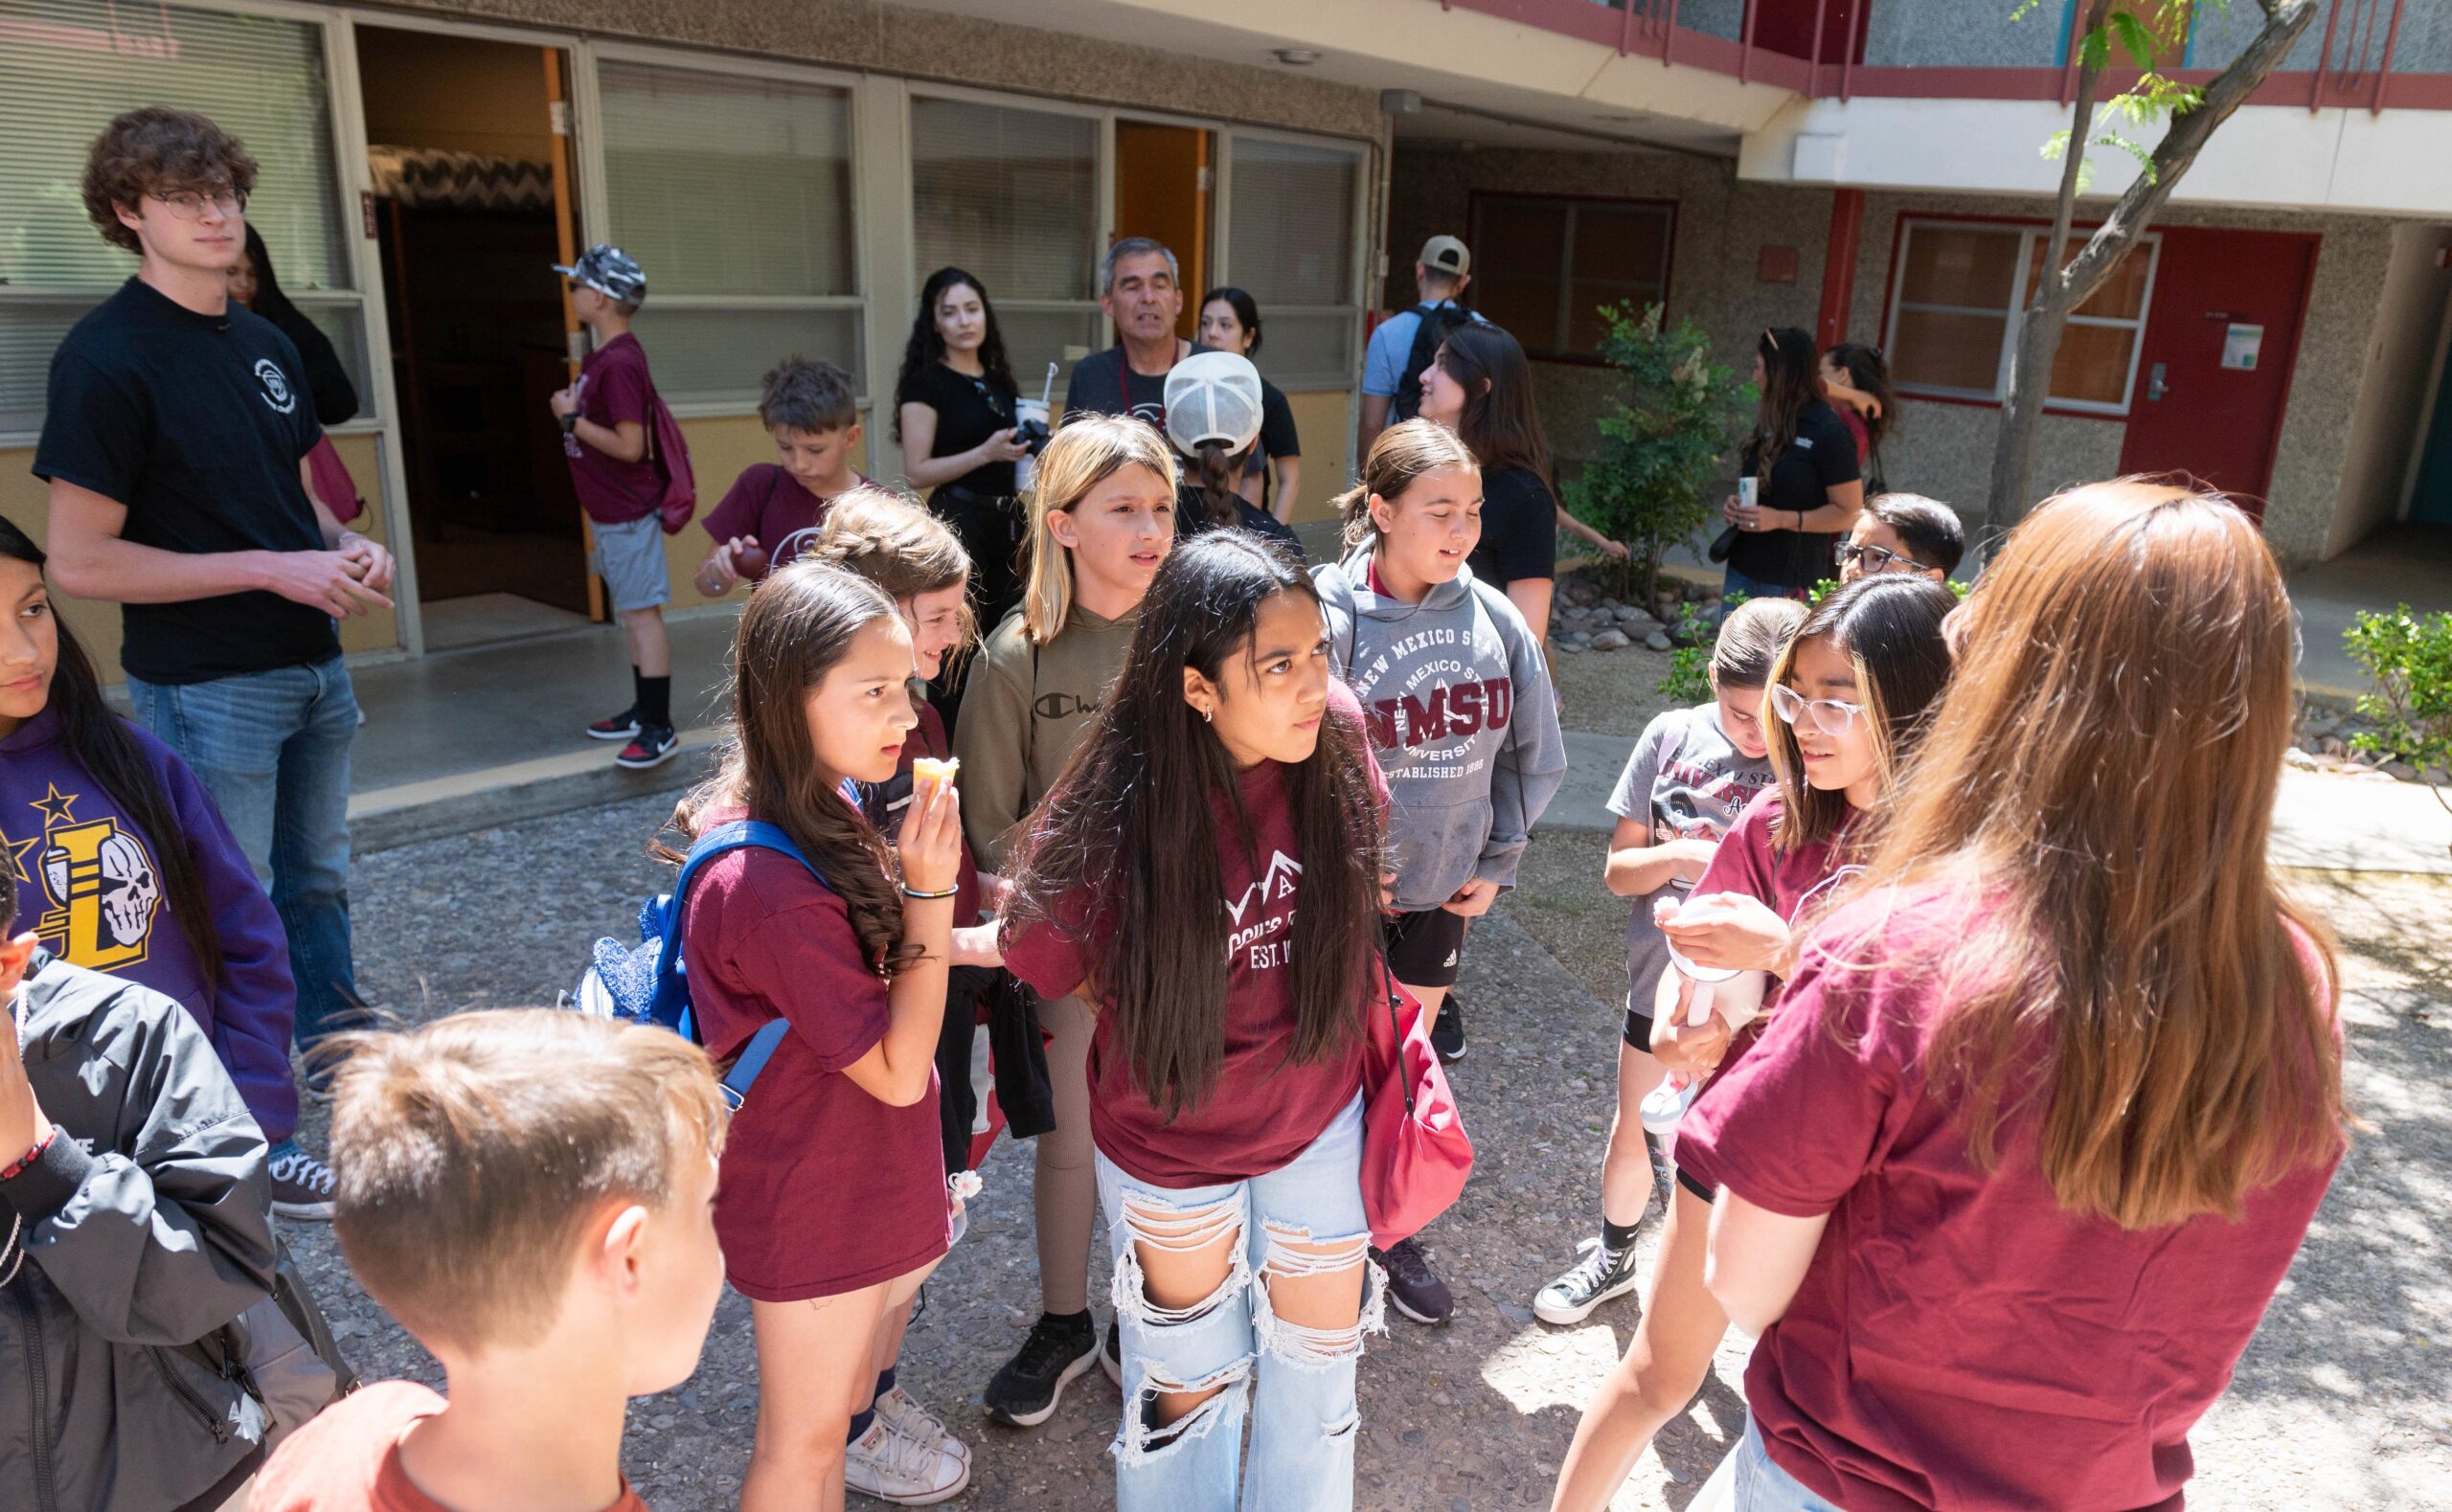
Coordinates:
2353 69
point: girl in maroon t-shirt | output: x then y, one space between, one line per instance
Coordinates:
1850 689
1206 878
832 1205
2009 1183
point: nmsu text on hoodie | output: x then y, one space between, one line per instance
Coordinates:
1457 702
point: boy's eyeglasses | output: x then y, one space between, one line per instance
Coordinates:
1876 558
1831 715
189 204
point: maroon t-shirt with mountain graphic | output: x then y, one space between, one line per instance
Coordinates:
1266 1108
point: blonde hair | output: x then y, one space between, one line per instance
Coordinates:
2103 772
471 1154
1086 451
1403 453
892 540
1751 639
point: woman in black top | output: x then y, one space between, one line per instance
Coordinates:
1229 321
1479 386
954 415
253 283
1807 489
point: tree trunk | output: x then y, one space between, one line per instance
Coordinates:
2063 288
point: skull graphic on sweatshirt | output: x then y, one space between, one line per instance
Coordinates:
107 891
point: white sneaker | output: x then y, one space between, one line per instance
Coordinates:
1666 1103
907 1471
901 1411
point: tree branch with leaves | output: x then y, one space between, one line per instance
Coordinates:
2193 114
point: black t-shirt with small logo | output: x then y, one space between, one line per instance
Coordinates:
195 424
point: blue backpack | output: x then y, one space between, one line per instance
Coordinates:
649 983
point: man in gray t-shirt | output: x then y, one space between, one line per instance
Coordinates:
1685 781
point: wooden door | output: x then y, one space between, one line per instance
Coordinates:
1162 189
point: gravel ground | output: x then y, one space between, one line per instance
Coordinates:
2341 1403
1615 692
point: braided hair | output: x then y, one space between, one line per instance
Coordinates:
890 539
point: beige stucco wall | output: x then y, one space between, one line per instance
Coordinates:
922 44
1946 450
24 500
1722 226
2340 426
2391 415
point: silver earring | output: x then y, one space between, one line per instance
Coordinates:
1209 716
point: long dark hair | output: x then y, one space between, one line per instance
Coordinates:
1890 627
796 628
1130 825
1868 373
926 345
1791 382
1247 312
101 742
1499 423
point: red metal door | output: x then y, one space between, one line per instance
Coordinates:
2221 337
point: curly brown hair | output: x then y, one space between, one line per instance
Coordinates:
153 149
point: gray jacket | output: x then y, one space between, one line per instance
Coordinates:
146 1226
1458 701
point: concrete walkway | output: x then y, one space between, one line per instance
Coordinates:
2321 822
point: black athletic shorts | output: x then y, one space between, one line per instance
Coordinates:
1424 948
1637 1033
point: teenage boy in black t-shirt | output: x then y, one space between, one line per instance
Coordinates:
174 445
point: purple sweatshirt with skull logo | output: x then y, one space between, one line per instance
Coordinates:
90 883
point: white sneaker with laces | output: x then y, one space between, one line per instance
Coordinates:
901 1411
1665 1106
907 1471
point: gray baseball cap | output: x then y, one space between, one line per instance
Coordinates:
609 270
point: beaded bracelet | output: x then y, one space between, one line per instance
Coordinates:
10 1172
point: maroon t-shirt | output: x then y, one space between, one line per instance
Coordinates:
767 504
823 1189
1959 1340
1787 880
1265 1107
613 391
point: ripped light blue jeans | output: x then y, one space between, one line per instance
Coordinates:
1305 1219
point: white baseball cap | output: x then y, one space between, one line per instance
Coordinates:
1213 400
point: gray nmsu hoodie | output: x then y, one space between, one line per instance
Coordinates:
1459 706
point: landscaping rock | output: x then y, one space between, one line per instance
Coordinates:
1611 641
1657 640
2294 756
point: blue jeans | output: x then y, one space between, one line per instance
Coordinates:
1302 1414
272 748
1762 1487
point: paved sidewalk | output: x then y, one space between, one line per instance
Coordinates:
2321 820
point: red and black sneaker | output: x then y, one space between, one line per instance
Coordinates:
655 745
620 727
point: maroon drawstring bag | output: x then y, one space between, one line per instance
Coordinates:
1415 1152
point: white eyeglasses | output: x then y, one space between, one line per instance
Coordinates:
1831 715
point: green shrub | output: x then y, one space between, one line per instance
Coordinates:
1664 441
2409 657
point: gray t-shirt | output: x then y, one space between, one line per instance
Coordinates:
1685 781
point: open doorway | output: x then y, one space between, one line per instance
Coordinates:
1162 189
473 208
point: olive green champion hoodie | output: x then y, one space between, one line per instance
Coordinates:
1025 709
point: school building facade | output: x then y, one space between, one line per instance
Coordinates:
788 174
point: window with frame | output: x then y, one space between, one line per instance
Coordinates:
1290 228
1543 267
67 67
734 192
1955 305
1010 195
